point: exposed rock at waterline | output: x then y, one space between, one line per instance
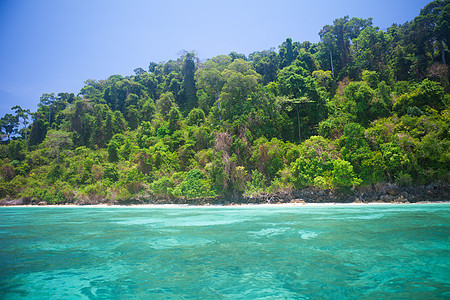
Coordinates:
378 193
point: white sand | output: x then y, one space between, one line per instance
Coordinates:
233 205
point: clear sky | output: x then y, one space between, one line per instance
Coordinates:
55 45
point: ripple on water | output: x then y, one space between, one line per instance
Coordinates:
174 242
266 232
307 235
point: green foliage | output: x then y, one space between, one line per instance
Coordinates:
371 77
395 159
174 120
196 117
404 179
9 189
163 186
295 83
194 186
165 103
362 106
241 80
427 96
134 181
343 175
257 185
113 155
359 96
268 157
16 150
315 159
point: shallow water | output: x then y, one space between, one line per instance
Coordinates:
333 252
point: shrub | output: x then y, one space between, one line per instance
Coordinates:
257 185
194 186
343 175
404 179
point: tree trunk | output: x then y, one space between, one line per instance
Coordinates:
25 135
331 59
298 120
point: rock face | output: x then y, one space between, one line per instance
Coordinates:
377 193
8 202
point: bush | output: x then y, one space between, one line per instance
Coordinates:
194 186
257 185
404 179
343 175
316 159
163 186
8 189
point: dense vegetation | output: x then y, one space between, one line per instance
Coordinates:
360 107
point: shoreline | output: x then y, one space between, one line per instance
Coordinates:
328 204
382 193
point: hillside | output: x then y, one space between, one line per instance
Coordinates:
362 107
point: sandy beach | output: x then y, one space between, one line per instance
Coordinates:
268 205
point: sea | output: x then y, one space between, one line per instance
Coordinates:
230 252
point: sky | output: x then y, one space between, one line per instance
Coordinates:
55 45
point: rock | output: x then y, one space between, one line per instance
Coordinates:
301 201
42 203
12 202
392 189
401 199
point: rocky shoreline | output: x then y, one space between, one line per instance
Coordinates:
378 193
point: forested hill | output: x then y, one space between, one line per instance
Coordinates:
360 107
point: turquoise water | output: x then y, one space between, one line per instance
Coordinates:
337 252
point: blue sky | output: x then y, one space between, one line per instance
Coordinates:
55 45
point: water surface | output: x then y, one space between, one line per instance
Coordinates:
334 252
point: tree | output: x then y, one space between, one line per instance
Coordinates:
359 97
296 102
165 103
22 113
371 49
195 185
174 119
241 82
343 175
427 95
314 165
38 129
196 117
266 63
48 100
189 90
139 71
57 141
433 25
300 88
210 80
338 37
329 44
66 97
286 53
8 125
354 147
323 77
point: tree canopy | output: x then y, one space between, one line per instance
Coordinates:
362 106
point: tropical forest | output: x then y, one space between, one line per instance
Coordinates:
364 106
